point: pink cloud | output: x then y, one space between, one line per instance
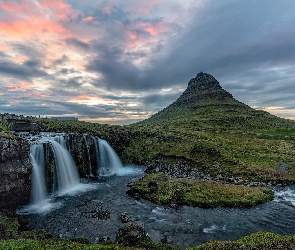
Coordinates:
60 9
90 19
153 29
146 7
20 86
27 19
5 47
107 8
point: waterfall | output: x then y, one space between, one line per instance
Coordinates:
109 161
89 158
39 192
54 167
66 173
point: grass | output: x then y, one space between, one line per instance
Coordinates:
164 190
55 244
280 132
260 240
248 156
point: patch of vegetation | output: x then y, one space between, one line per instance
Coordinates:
259 241
164 190
8 227
248 156
4 129
56 244
280 132
3 125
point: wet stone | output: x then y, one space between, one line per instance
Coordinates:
95 209
125 218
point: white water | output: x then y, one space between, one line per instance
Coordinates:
287 194
66 176
39 192
109 163
67 173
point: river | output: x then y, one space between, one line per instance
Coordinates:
94 208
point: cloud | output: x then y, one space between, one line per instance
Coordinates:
75 42
124 53
27 70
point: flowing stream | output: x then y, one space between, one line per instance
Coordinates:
93 209
186 226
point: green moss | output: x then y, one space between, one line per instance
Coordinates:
8 227
260 240
55 244
162 189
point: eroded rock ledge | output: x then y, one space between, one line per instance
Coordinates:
15 173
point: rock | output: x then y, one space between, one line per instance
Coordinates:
125 218
283 167
131 235
15 173
104 239
133 193
19 124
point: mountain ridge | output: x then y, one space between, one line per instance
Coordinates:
206 105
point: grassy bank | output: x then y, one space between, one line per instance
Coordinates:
164 190
259 241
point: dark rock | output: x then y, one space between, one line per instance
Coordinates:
131 235
153 186
104 239
15 173
133 193
125 218
18 124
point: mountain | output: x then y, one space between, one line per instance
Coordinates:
206 105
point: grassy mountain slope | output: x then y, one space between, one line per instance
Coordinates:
206 105
253 144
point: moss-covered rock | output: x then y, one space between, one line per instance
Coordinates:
162 189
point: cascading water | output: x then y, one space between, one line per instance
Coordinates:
67 173
109 160
39 192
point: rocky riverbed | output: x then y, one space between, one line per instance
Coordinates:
99 211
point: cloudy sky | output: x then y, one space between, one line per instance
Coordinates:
120 61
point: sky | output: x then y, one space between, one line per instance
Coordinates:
120 61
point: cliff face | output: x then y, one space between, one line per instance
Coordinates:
15 173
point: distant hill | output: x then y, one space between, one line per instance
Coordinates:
206 105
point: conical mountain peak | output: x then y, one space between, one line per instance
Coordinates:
204 87
206 105
204 80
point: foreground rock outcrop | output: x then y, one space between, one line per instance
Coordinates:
15 173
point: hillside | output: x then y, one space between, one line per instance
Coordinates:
206 105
